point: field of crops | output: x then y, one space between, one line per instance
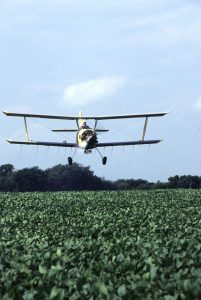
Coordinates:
105 245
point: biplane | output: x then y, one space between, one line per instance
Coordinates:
86 136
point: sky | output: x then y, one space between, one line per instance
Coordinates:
103 57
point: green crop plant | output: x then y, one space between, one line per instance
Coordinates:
101 245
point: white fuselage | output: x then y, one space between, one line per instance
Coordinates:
86 138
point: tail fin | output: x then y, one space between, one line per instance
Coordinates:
81 121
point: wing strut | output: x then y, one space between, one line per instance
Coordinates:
95 125
26 129
145 128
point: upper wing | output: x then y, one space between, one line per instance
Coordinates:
159 114
40 143
130 143
10 114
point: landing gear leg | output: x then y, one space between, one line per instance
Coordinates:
70 161
104 158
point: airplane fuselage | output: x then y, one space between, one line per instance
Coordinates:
86 138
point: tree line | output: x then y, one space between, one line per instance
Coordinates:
79 178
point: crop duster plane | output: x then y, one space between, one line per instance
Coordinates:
86 136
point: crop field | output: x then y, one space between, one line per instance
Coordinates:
101 245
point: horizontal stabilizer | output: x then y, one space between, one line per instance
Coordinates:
64 130
102 130
75 130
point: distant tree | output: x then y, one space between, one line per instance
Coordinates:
159 185
195 182
121 184
6 170
75 177
173 182
108 185
185 181
6 177
78 178
129 184
30 180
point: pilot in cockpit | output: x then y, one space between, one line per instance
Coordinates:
84 125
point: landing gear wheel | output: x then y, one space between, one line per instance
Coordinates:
104 160
70 161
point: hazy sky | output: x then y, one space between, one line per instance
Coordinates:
104 57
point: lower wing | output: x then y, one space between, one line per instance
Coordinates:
74 145
130 143
40 143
